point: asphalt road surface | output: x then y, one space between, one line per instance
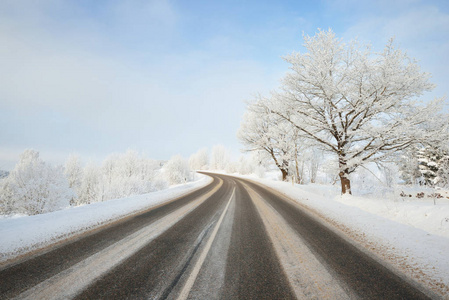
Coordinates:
232 239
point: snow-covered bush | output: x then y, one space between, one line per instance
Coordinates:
120 175
245 166
259 171
219 158
199 160
231 167
34 187
177 170
74 174
127 174
90 191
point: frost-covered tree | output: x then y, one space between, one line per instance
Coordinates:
425 165
123 175
199 160
408 166
443 171
220 158
245 165
357 104
428 164
262 130
35 187
177 170
261 165
314 159
74 174
90 191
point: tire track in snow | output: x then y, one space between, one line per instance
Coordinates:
193 275
356 270
307 276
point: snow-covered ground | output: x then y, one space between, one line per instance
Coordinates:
21 234
408 233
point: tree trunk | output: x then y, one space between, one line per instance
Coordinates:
284 174
344 173
298 176
345 183
283 168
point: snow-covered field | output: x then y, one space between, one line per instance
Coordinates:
408 233
21 234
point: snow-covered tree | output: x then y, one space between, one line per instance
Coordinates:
177 170
123 175
315 158
443 171
426 166
408 166
262 130
357 104
74 174
90 191
35 187
220 157
199 160
245 166
260 163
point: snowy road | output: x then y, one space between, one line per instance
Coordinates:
232 239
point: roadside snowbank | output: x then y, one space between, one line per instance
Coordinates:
21 234
410 234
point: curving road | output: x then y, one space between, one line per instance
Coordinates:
233 239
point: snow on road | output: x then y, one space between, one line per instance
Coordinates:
306 274
410 236
71 281
19 235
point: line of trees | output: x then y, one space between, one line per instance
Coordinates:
35 187
357 105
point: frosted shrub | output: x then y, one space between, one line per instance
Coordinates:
6 199
159 184
34 187
74 175
177 170
120 175
90 190
259 171
219 158
199 160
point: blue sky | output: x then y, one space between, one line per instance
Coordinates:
169 77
